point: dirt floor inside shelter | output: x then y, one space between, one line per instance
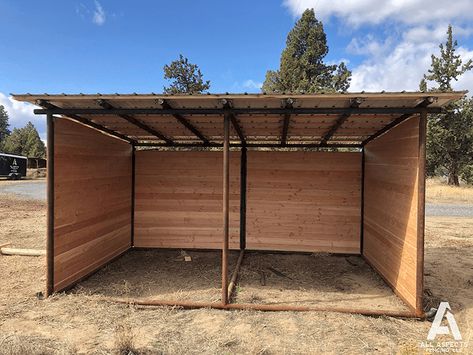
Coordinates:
322 280
316 279
161 274
80 322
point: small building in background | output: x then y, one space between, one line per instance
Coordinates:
36 163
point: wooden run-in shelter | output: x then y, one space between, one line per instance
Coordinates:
335 173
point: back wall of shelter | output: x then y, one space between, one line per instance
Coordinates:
296 201
304 201
179 199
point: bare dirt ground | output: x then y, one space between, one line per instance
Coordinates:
299 279
82 322
160 274
319 279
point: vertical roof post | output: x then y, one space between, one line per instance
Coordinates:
50 211
226 205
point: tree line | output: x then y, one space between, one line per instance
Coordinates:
21 141
302 70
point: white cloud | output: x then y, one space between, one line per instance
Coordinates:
99 15
369 45
20 113
396 60
251 84
400 64
358 12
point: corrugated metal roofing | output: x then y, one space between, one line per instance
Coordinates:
343 118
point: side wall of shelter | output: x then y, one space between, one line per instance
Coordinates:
393 183
92 201
304 201
179 199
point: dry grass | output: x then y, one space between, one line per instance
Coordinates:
13 344
83 323
125 343
437 191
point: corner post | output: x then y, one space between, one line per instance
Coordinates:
362 217
132 235
226 205
50 211
421 211
243 173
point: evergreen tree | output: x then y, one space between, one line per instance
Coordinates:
186 77
302 66
449 134
25 141
4 131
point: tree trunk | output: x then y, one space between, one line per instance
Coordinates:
453 178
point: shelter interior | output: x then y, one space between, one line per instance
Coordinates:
327 173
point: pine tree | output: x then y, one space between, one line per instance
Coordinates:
4 131
25 141
302 66
186 77
449 134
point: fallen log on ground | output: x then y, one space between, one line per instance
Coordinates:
22 252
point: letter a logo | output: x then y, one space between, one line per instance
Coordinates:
444 311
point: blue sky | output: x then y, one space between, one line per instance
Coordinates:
121 46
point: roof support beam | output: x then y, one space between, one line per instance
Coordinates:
354 103
228 106
184 121
237 128
250 145
236 111
107 106
287 103
423 104
88 123
387 128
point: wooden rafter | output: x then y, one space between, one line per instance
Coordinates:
87 122
424 103
106 105
228 106
287 103
354 103
184 121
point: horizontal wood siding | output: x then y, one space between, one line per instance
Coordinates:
92 201
304 201
178 199
390 210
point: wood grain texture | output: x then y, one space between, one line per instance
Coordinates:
92 201
304 201
390 241
178 199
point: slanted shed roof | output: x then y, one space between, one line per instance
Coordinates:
257 119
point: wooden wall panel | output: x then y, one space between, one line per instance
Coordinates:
304 201
92 201
390 238
179 199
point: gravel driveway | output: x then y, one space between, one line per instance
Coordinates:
449 210
35 190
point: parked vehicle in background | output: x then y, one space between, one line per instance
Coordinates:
12 166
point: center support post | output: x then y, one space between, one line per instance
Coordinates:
226 205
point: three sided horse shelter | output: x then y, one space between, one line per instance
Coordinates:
332 173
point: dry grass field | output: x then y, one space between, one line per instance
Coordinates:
439 192
82 322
